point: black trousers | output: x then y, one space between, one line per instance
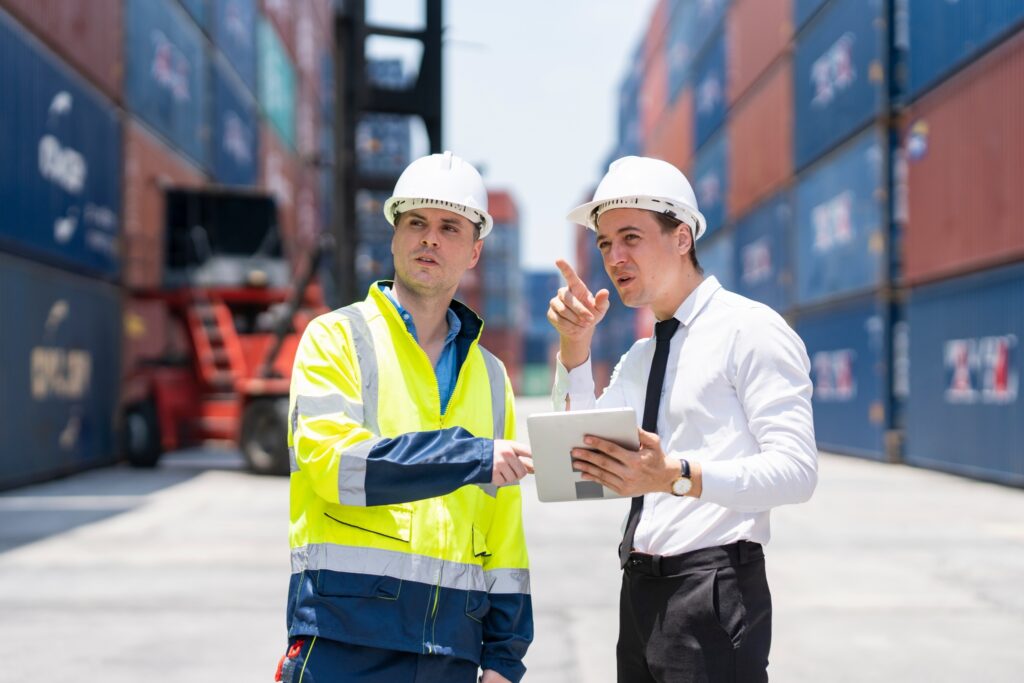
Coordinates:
700 617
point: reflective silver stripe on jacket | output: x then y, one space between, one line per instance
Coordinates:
409 567
318 406
352 472
496 376
367 357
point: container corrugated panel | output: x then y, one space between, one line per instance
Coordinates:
711 181
326 181
308 221
764 269
88 35
60 146
965 412
709 90
717 257
966 142
61 373
310 42
653 93
758 32
200 11
839 75
630 139
679 46
327 109
283 15
761 133
277 83
672 139
165 74
383 144
279 175
847 348
236 129
149 167
840 221
234 34
946 35
541 286
707 21
307 120
804 10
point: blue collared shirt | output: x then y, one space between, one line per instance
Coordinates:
446 370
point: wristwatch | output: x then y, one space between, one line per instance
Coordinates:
682 485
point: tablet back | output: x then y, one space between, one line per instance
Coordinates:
554 435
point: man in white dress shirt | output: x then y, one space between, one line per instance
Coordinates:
727 433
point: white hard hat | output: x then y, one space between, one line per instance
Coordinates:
441 181
643 183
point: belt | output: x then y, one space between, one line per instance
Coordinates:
741 552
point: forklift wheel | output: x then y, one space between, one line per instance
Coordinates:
265 436
141 435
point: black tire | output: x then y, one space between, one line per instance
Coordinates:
140 435
264 440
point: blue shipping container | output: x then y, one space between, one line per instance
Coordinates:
763 268
711 181
716 257
383 144
965 412
945 35
839 76
60 146
541 286
200 11
234 34
165 74
840 221
709 90
370 220
847 346
236 132
804 9
61 374
630 140
706 21
679 46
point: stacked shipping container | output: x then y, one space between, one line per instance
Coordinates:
817 133
115 103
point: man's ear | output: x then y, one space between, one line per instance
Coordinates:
685 239
477 248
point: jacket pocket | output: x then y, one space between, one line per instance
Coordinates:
480 543
390 521
343 584
477 605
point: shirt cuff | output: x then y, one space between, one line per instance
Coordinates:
719 482
572 383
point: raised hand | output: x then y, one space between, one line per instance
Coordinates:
574 312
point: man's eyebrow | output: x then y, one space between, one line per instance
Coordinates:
624 228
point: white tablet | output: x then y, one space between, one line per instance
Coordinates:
554 435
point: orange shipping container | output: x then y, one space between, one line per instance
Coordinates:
758 31
150 169
672 138
279 176
87 34
965 170
761 141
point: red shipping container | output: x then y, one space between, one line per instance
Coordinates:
150 169
310 41
308 222
307 121
965 170
653 93
283 15
657 26
758 31
502 207
507 345
87 34
672 139
279 175
761 141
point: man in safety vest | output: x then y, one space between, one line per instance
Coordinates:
407 549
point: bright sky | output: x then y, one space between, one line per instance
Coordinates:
531 96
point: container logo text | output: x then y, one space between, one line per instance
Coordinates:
833 375
981 370
832 222
170 67
757 261
833 72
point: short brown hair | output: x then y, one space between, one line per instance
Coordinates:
670 224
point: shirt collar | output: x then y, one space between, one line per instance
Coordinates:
698 299
454 323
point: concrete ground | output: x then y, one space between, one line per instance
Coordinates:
179 574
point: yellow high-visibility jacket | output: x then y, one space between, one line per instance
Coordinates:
398 539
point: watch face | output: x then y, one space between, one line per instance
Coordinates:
681 486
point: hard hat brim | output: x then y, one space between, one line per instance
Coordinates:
588 213
395 206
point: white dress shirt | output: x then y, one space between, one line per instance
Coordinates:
736 399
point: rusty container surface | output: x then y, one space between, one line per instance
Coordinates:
758 32
672 139
150 168
965 170
86 34
761 133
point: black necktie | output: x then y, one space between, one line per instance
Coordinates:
663 332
